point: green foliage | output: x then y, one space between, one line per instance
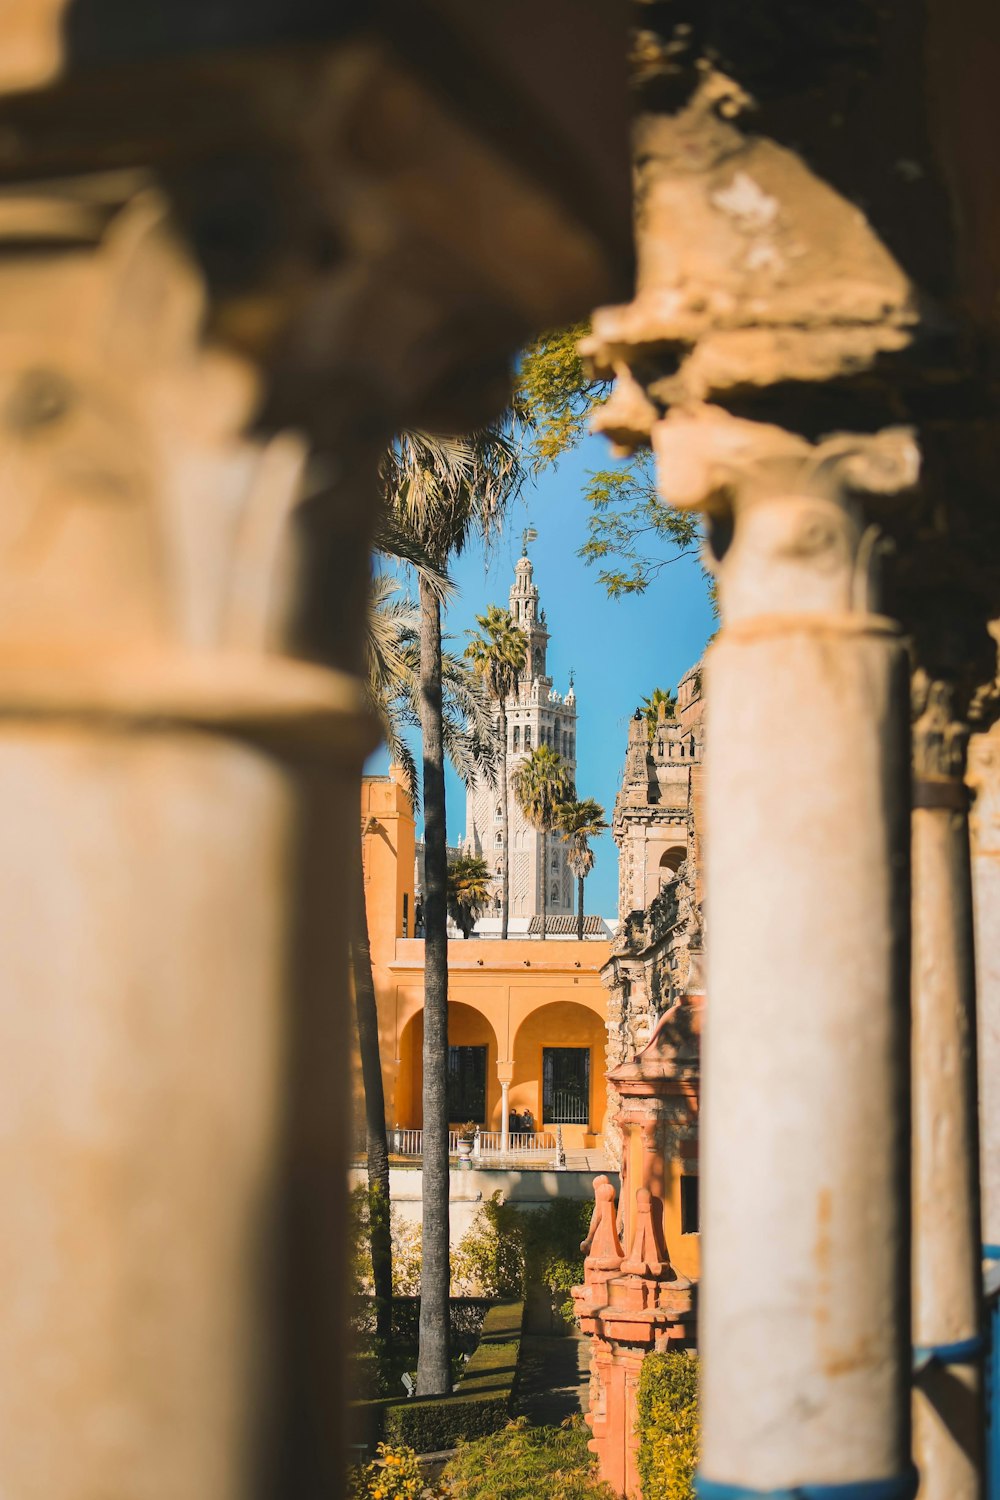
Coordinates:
668 1426
540 782
630 526
507 1248
577 822
405 1247
555 394
480 1405
468 890
498 651
526 1463
651 708
633 534
394 1474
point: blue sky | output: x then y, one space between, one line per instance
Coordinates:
620 649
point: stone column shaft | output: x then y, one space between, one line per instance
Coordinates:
947 1406
984 773
803 1316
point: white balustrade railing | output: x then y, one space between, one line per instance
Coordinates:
411 1142
488 1144
519 1143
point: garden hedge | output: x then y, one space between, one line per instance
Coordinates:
480 1404
668 1425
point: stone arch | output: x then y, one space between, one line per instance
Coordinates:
567 1025
468 1025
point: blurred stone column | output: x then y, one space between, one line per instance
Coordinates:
803 1316
947 1409
984 775
178 799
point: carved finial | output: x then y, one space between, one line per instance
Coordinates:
529 534
602 1247
648 1255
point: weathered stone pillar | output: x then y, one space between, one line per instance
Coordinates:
178 798
984 774
803 1317
947 1409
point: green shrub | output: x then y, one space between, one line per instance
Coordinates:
527 1463
482 1402
668 1426
509 1247
406 1247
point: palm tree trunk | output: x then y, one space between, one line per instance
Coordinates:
380 1231
545 879
579 908
433 1360
504 826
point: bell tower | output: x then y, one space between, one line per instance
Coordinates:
536 715
525 609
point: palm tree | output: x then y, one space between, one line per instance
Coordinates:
439 490
468 890
541 782
651 708
578 823
392 690
498 655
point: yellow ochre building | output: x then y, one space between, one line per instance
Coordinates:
527 1019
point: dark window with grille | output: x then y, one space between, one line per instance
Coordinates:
689 1205
467 1085
566 1085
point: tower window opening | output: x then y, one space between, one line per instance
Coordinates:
554 892
659 749
498 839
689 1205
498 813
527 736
517 736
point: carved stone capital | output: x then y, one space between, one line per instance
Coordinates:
788 528
148 554
940 738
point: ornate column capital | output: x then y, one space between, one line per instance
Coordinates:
788 527
940 743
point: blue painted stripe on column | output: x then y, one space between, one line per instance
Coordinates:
896 1487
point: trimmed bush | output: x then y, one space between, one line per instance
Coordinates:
527 1463
510 1246
668 1426
480 1405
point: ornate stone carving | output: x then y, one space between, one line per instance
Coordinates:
940 737
787 533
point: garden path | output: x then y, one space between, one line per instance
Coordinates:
555 1377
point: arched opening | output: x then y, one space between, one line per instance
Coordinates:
473 1089
670 862
517 736
558 1071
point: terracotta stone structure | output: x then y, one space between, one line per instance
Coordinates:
629 1304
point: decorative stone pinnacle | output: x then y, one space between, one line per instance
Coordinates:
648 1255
602 1247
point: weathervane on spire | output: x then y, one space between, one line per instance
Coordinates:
529 534
572 676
